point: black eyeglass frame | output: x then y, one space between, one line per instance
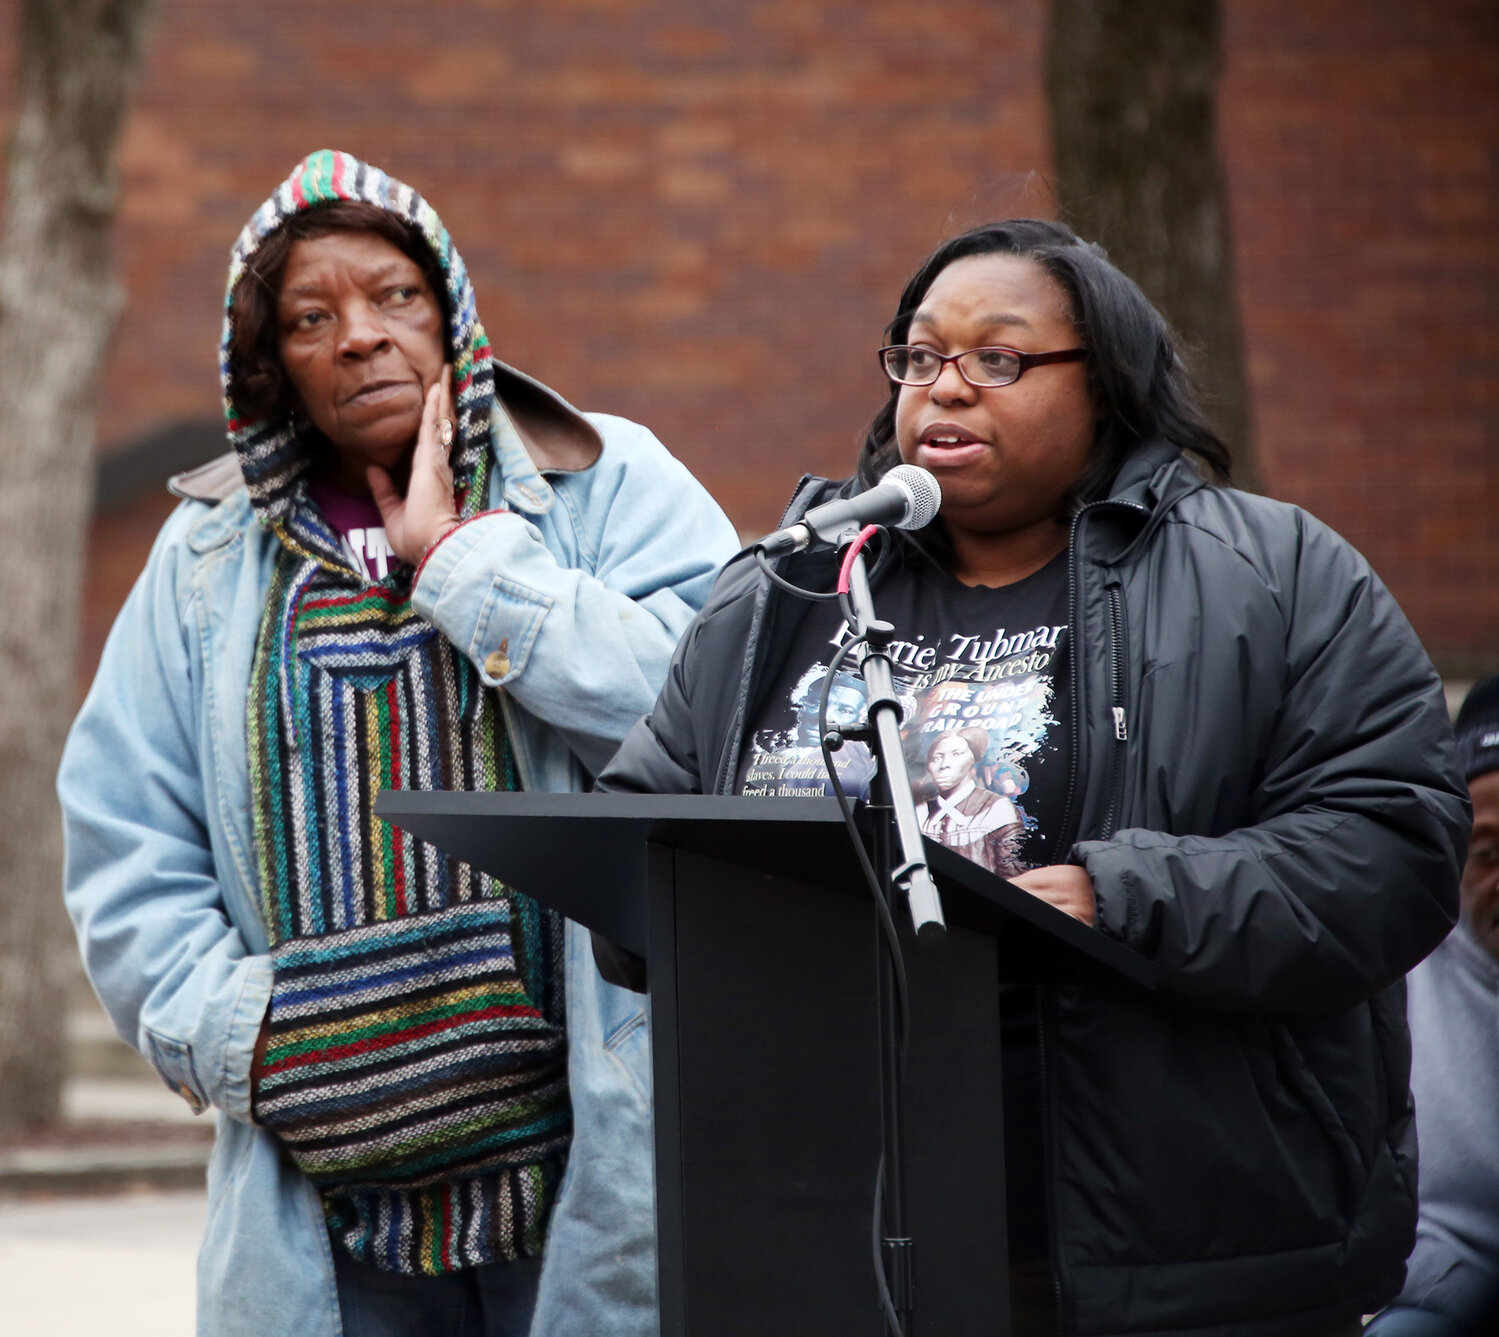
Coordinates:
1024 362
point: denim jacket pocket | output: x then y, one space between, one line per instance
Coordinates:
173 1060
512 614
629 1044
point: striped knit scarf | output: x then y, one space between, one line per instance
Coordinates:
416 1065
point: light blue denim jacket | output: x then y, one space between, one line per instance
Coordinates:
587 583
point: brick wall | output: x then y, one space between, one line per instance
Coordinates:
699 213
1362 146
694 214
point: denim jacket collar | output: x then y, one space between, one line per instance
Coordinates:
535 432
223 522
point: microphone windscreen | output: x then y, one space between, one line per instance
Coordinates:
924 491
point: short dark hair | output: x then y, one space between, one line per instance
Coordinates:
258 386
1134 367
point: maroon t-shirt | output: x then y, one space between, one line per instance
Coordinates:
360 528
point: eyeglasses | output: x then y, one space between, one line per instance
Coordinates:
982 368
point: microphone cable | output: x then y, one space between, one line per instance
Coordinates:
883 916
897 964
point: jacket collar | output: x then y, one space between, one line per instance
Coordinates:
1146 489
1156 475
535 432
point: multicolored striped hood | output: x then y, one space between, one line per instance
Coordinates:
274 454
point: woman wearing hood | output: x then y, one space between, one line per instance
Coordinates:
419 569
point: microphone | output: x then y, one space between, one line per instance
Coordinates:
907 498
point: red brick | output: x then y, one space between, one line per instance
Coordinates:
666 206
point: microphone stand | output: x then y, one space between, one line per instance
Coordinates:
911 875
893 807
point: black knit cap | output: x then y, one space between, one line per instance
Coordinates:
1478 729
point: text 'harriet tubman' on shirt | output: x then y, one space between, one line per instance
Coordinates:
986 711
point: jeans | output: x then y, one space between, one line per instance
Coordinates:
491 1301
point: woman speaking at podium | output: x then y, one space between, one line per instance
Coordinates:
1223 746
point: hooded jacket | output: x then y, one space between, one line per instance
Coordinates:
1263 792
567 594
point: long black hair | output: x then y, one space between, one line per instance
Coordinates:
1134 370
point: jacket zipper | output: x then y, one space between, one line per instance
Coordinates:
1064 832
1116 707
1119 725
1067 835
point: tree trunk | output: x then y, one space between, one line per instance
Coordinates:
1132 86
58 299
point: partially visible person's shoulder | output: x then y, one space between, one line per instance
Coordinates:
215 503
633 456
215 510
1247 549
1229 514
738 579
627 436
1270 535
741 580
199 552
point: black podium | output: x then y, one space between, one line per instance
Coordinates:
761 944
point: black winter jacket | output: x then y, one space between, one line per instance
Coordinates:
1266 800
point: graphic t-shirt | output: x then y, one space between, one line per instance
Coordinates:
986 729
981 676
360 528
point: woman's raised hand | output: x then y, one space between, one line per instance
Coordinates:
426 513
